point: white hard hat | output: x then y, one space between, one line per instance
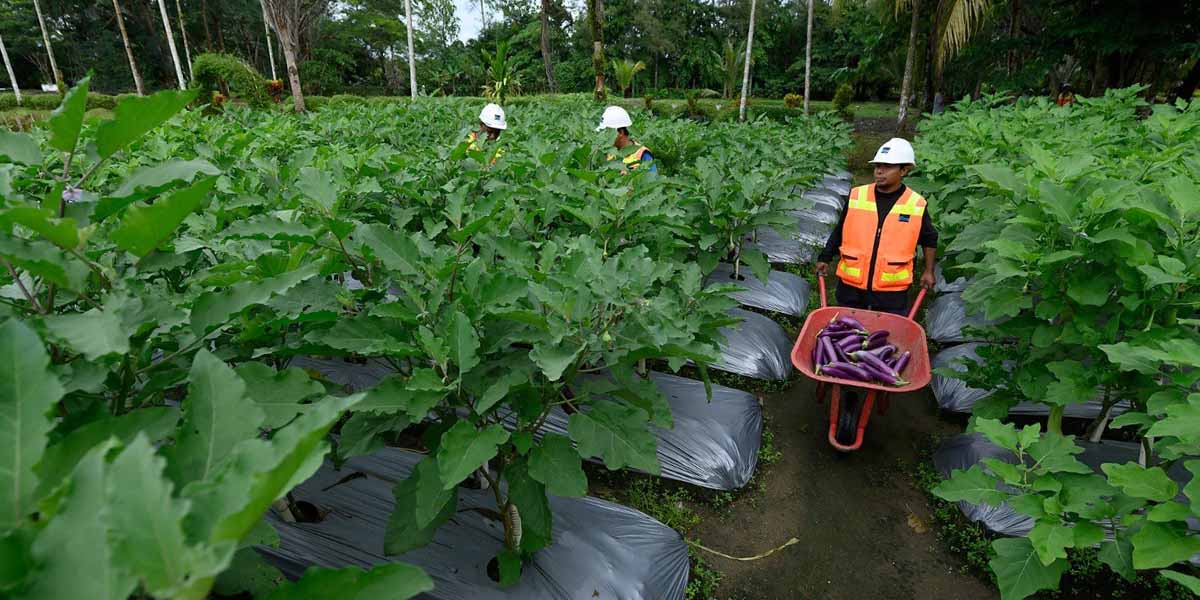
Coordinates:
614 117
493 116
896 151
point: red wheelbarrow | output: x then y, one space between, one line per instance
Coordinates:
851 420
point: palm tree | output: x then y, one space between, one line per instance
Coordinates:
954 22
162 8
501 73
58 78
729 62
412 60
12 77
906 85
137 75
746 66
291 19
624 71
187 52
808 55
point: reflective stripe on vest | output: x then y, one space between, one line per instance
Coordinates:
898 235
632 160
473 146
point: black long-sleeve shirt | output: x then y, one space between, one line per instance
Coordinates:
871 299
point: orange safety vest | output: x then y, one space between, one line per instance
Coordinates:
473 146
893 262
632 160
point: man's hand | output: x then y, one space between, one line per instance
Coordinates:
821 268
928 280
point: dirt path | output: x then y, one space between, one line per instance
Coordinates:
863 526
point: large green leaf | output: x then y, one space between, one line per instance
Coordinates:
1118 555
264 227
74 553
997 432
1051 541
464 342
278 393
1192 489
465 448
1182 420
217 416
1159 545
146 182
618 434
137 115
1191 583
67 120
19 148
45 260
529 497
63 233
1138 481
554 358
403 531
147 526
316 185
1018 571
230 504
395 249
213 308
143 228
28 393
392 581
1056 453
431 496
94 334
973 485
556 464
362 335
414 396
156 423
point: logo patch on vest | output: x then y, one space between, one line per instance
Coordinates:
904 218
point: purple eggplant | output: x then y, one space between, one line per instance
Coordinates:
876 343
836 325
847 371
882 372
839 354
828 353
852 322
849 343
902 362
884 351
875 336
816 355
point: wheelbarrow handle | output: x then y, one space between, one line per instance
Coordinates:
821 287
916 304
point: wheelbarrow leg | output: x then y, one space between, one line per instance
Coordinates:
821 392
864 415
885 402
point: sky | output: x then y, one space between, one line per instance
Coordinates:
469 22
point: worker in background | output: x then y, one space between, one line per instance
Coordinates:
877 237
491 123
1065 95
617 118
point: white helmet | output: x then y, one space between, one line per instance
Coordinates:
614 117
896 151
493 116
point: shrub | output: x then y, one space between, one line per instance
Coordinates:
793 100
230 75
97 100
842 99
648 100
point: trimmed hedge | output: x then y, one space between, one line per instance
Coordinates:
230 75
41 101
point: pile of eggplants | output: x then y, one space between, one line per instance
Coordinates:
845 349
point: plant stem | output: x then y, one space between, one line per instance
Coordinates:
21 284
1054 424
187 348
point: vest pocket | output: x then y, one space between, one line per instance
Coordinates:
852 268
894 272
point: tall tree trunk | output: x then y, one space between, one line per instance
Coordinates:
906 85
270 51
551 82
1014 27
482 17
808 56
207 31
162 8
12 77
187 52
930 49
137 75
289 56
1186 89
58 78
746 69
412 58
597 17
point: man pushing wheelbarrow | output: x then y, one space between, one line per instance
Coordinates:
862 344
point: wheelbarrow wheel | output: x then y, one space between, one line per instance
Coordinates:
847 429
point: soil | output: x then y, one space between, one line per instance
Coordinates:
864 528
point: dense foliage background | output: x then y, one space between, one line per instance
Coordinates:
359 46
